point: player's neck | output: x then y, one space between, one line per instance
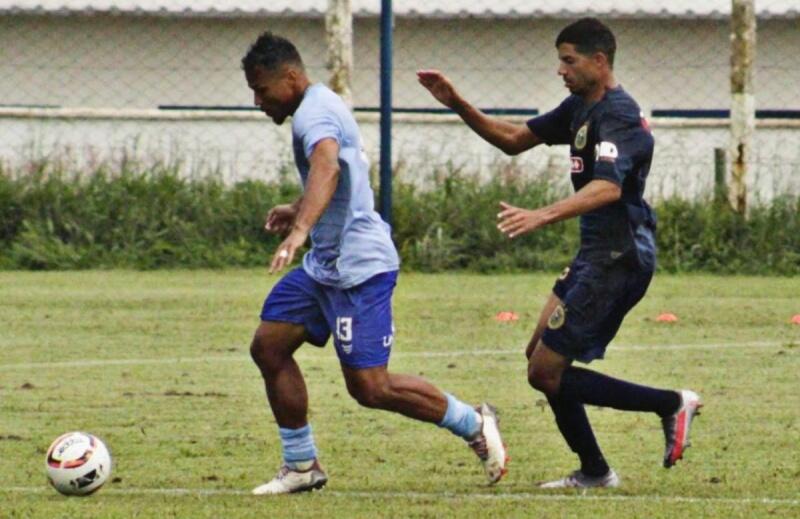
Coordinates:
599 90
301 88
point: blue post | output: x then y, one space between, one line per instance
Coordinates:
386 112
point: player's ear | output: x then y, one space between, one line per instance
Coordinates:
292 73
600 59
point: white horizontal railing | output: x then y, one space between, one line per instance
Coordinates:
150 114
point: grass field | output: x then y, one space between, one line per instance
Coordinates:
156 364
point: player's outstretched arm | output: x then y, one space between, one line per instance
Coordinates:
323 176
514 221
511 138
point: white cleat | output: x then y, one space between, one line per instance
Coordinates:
488 445
289 481
677 425
580 480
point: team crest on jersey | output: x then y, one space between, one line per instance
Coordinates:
581 136
575 165
557 318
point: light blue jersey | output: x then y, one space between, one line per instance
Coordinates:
350 242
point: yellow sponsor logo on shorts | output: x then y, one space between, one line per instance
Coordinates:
557 318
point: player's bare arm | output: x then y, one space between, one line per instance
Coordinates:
280 218
511 138
322 180
514 221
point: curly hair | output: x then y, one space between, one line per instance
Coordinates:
271 51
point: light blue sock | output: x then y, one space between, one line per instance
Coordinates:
298 445
460 419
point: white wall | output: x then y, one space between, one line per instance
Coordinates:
256 148
142 62
145 61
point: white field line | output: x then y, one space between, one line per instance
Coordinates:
521 496
86 363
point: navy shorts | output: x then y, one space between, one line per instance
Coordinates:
595 298
359 317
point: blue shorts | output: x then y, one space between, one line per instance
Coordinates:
360 317
595 299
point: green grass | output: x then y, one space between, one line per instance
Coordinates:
184 407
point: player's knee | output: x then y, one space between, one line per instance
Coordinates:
373 396
543 380
264 354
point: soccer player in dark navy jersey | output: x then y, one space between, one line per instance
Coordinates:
611 149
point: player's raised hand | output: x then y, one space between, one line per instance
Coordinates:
514 221
287 249
280 219
438 85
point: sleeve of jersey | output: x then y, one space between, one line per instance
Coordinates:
553 127
317 126
613 153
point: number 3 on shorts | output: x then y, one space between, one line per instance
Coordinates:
344 328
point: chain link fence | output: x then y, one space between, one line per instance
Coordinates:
86 85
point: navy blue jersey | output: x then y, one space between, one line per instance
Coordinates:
608 140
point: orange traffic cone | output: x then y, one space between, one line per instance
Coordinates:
505 317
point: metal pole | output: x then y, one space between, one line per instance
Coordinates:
743 51
386 112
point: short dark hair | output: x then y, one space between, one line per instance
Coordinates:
271 51
589 35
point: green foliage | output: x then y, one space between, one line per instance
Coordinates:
706 236
453 225
152 217
52 219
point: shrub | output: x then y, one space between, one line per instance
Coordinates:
148 218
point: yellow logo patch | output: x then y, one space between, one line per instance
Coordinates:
557 318
564 274
580 137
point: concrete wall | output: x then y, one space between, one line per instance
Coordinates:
254 147
145 61
141 62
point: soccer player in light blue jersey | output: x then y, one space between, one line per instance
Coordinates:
344 287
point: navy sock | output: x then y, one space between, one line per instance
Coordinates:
575 428
601 390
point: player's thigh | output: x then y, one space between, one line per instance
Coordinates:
274 341
361 319
595 298
366 384
298 299
545 367
553 301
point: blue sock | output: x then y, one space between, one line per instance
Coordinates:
601 390
298 445
460 419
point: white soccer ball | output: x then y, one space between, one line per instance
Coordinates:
78 463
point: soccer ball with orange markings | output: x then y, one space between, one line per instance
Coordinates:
78 463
